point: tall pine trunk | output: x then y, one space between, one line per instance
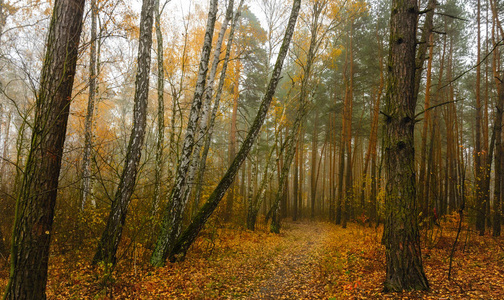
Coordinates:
232 141
478 155
37 194
295 185
404 269
313 187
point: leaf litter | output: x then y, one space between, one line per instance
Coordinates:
309 260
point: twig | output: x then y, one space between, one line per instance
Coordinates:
461 216
432 107
473 67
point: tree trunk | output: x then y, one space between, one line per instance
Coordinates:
88 123
209 131
109 242
301 173
256 200
295 185
332 171
313 187
478 155
205 111
5 147
499 148
292 139
498 162
232 141
4 252
348 135
401 235
37 194
341 176
158 171
189 235
289 148
172 219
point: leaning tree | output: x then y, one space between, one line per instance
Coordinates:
37 194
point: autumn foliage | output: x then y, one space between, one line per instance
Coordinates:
309 260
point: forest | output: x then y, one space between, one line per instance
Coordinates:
263 149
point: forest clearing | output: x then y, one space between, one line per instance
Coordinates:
309 260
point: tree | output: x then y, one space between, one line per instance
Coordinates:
208 128
4 253
88 130
109 242
189 235
499 147
172 218
207 100
401 233
479 155
158 172
37 194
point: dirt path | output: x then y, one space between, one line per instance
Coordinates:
293 270
308 260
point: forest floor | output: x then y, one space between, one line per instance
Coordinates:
308 260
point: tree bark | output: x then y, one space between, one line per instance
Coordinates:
499 148
313 188
232 140
401 236
88 123
109 242
292 139
5 147
37 194
158 171
348 109
4 252
208 132
496 230
206 110
478 154
189 235
172 219
289 148
256 200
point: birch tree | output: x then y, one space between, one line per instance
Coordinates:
109 242
88 123
172 217
186 239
